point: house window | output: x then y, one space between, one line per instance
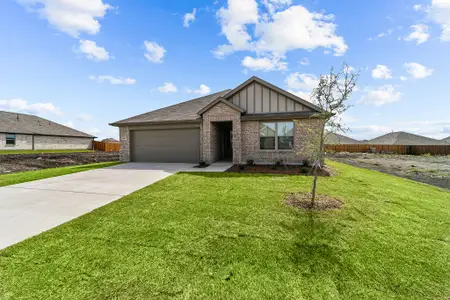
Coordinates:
276 136
10 140
285 134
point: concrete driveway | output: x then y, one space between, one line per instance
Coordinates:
30 208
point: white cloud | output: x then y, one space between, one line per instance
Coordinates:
234 21
304 61
385 94
304 95
189 18
418 7
273 5
93 131
113 80
203 90
382 34
84 117
439 12
69 124
70 16
168 87
419 34
264 64
381 72
301 85
297 81
403 78
155 53
92 51
278 31
417 71
20 105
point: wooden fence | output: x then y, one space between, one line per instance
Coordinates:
398 149
106 147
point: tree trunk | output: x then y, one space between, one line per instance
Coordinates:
317 164
313 193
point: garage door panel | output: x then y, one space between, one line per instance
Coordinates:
171 145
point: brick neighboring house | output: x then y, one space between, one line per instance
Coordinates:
256 120
27 132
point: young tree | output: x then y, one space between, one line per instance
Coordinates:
331 95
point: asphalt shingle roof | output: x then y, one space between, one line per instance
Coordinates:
404 138
11 122
184 111
339 139
447 140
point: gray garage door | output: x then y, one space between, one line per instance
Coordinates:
169 145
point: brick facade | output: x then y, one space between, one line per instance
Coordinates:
125 155
46 142
245 138
220 113
303 135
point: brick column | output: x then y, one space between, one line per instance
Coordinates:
125 144
237 141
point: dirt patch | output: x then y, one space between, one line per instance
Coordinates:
322 202
272 169
434 170
31 162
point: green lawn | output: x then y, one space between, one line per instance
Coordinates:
15 178
230 236
5 152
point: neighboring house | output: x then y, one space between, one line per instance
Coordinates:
339 139
28 132
253 121
110 140
404 138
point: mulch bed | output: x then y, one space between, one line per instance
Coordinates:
322 202
271 169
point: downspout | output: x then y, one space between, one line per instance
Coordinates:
32 142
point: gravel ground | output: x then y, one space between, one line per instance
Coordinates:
31 162
434 170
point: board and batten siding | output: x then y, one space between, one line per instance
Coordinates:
256 98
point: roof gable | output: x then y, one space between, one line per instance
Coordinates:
220 100
252 96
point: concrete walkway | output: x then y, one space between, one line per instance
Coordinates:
30 208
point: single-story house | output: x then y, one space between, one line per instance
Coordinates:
332 138
27 132
255 121
110 140
404 138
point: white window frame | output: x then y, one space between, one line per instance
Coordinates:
276 136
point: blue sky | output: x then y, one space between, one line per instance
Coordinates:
86 63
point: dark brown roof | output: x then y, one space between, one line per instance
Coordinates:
404 138
28 124
184 111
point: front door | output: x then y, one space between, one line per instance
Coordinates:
228 145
